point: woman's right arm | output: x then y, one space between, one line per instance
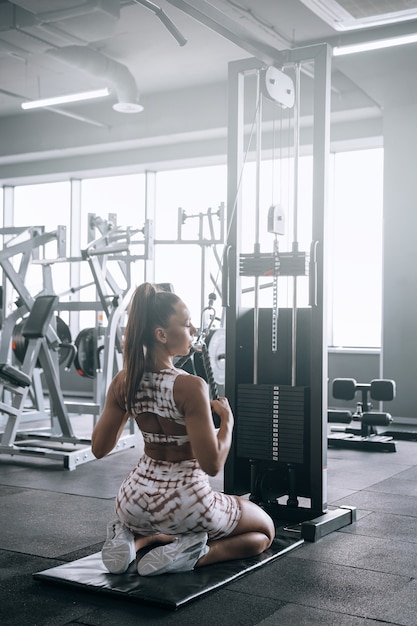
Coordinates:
209 446
112 421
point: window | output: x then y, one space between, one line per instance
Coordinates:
120 195
196 194
48 206
355 255
188 217
101 200
354 236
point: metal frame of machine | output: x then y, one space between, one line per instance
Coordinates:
239 472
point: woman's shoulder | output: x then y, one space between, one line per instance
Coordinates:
186 381
190 392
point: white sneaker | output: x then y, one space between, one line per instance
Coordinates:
119 548
179 556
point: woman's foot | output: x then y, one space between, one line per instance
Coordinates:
180 555
144 541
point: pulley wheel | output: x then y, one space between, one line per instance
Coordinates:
216 347
217 354
85 360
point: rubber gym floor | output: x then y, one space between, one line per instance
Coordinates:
363 574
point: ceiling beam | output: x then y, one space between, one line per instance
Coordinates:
208 15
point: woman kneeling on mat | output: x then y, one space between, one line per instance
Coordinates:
168 517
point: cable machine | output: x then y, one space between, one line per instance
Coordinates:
276 356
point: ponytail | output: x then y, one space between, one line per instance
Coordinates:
149 308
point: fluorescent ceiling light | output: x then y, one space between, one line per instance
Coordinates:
378 44
74 97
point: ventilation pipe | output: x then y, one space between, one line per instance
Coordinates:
100 66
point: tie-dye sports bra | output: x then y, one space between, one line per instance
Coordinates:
156 395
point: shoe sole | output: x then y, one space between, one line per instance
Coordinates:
117 553
117 558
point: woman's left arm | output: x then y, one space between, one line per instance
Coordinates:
111 423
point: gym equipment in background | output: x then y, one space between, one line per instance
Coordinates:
59 442
65 348
23 245
111 260
18 381
86 359
40 341
366 437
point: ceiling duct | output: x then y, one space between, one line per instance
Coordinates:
111 72
88 20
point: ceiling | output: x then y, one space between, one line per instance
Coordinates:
172 57
140 49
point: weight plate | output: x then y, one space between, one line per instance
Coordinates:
19 343
85 360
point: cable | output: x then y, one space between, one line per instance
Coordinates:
239 183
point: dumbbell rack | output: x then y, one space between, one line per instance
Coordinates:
366 436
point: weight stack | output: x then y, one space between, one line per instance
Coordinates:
271 422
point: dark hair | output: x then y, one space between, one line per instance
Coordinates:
149 308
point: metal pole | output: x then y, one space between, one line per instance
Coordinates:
257 211
150 209
295 224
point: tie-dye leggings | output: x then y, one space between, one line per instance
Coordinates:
174 498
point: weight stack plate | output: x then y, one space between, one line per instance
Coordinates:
271 422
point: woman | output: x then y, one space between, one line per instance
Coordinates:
168 516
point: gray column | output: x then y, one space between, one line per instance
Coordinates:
399 321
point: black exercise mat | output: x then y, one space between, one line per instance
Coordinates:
170 591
